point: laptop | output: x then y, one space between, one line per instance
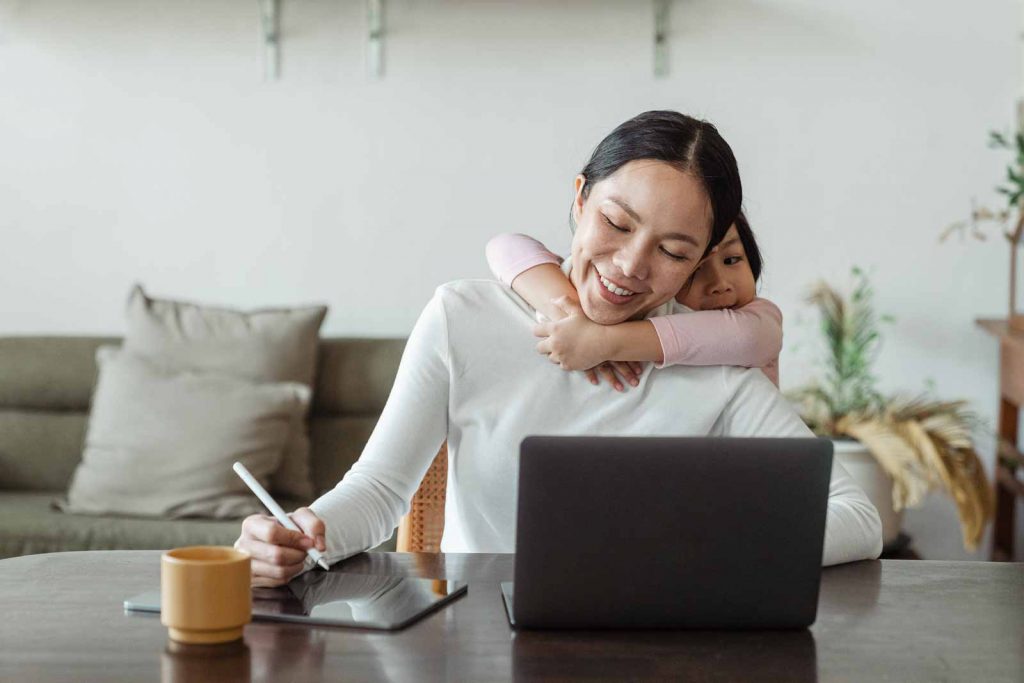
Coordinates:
652 532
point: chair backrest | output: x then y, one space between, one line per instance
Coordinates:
421 529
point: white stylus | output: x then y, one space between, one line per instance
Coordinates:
275 509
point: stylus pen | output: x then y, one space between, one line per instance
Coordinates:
275 509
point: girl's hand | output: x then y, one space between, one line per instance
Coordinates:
575 342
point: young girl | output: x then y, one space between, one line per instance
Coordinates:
729 324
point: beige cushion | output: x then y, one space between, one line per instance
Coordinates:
161 442
272 345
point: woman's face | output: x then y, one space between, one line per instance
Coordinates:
639 236
724 279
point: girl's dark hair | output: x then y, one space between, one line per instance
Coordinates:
749 245
687 143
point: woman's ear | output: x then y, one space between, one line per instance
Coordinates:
577 202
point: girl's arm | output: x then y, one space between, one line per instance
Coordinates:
576 342
509 254
531 270
541 285
750 336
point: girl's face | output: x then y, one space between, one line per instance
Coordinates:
723 280
639 236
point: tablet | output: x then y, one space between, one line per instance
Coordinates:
338 599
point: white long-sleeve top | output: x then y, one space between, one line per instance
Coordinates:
470 374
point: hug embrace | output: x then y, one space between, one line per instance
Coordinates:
662 268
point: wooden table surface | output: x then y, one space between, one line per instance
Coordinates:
61 619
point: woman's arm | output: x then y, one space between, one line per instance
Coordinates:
853 530
366 506
750 336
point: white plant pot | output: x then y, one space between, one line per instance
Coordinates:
865 470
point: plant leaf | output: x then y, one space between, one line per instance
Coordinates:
895 455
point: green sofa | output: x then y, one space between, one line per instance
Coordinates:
45 388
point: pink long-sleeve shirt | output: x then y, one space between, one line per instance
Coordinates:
749 336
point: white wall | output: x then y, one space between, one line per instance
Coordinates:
138 143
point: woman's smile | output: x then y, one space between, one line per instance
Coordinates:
613 291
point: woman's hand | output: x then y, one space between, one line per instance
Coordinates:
577 343
278 554
630 371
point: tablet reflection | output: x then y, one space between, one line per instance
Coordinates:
283 652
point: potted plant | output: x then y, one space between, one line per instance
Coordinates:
896 448
1013 213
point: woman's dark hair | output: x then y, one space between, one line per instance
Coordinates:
687 143
749 245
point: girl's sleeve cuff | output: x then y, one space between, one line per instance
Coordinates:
671 345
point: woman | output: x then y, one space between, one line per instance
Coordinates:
657 194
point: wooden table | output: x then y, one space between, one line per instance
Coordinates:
62 620
1008 458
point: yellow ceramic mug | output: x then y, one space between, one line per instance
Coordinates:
204 593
